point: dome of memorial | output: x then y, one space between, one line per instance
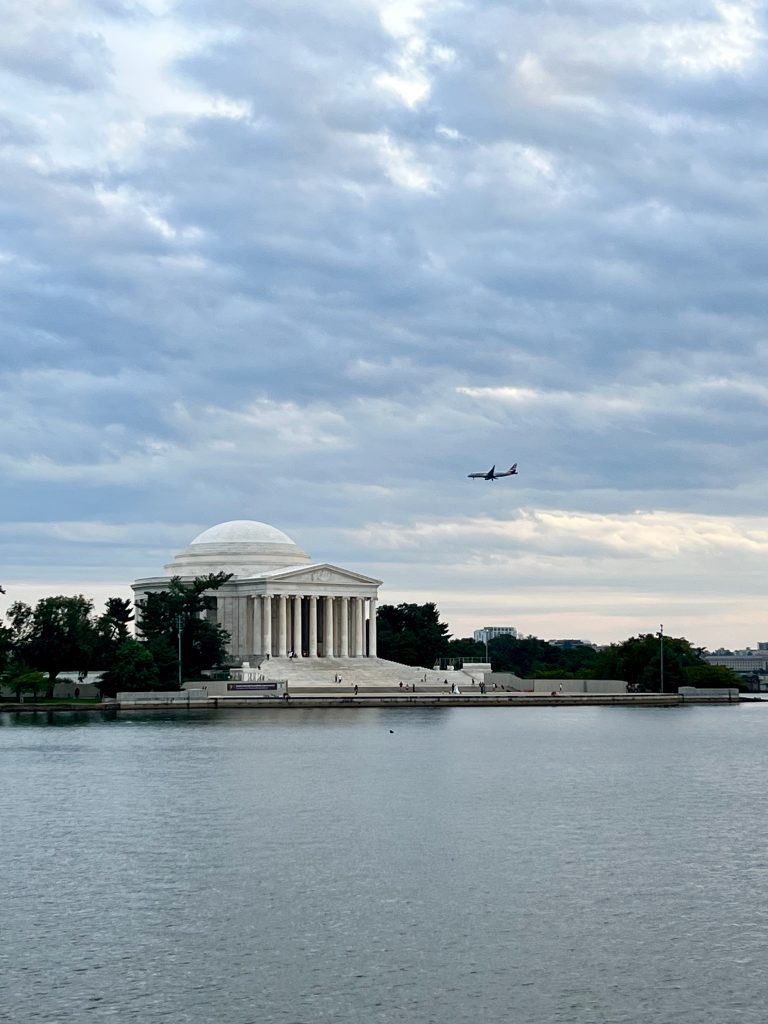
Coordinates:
243 547
242 531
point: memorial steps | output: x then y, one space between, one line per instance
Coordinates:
365 673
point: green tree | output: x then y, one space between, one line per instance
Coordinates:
707 676
411 634
111 630
6 647
465 647
6 643
751 680
638 660
27 681
133 668
161 615
521 655
532 658
57 634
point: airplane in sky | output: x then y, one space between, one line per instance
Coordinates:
492 474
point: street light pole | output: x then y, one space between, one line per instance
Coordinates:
179 620
661 655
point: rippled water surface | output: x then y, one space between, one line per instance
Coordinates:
496 865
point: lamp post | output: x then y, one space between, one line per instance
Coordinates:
661 656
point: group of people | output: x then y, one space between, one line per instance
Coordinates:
455 687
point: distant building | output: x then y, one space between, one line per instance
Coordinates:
741 661
568 645
482 636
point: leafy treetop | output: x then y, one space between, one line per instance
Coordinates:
179 608
411 633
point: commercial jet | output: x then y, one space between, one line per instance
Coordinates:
492 474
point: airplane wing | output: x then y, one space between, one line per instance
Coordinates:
492 475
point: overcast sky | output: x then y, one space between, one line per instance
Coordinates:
311 262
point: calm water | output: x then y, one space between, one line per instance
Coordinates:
527 865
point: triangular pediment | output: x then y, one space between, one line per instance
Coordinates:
320 574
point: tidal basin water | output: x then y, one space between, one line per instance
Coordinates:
530 865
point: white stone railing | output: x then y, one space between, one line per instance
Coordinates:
246 673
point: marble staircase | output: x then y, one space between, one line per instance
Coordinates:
322 674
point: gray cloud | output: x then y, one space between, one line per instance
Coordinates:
44 43
260 251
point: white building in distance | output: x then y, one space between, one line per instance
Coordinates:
742 661
279 601
487 633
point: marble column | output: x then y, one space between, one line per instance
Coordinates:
359 614
227 619
372 628
243 648
297 649
266 624
352 619
344 638
248 632
313 626
256 630
282 631
328 632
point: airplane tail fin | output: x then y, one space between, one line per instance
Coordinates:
513 469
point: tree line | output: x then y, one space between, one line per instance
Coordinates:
414 635
178 641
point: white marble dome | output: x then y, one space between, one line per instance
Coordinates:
243 547
242 531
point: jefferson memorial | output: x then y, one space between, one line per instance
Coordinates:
278 603
314 622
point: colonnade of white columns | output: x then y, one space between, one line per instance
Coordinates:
287 623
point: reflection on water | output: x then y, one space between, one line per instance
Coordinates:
59 719
534 865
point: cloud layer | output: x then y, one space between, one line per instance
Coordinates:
313 263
